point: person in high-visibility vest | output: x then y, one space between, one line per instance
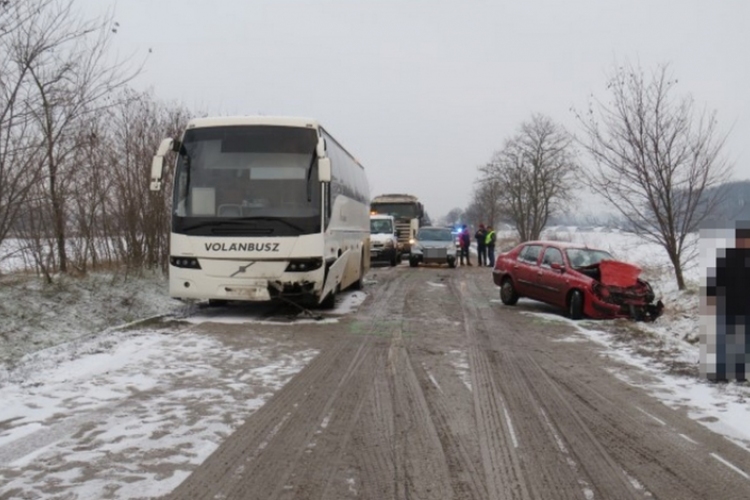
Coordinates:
489 242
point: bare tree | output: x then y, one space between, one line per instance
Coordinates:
141 217
486 206
20 167
655 159
454 216
73 80
533 176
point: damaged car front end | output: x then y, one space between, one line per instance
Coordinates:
586 282
618 292
636 302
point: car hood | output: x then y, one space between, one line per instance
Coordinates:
620 274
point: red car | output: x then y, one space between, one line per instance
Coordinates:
584 281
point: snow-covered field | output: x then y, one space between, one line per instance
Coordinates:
151 398
61 368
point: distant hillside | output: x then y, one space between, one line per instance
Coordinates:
735 205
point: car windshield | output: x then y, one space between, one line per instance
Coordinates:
381 226
582 257
435 235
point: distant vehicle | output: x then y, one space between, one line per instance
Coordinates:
584 281
264 207
384 245
433 245
408 212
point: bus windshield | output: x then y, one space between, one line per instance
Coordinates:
259 174
400 210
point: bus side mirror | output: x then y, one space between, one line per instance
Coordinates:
324 169
157 164
157 170
166 146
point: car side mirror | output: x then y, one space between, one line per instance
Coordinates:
398 233
557 267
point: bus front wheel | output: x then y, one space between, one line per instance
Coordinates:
330 301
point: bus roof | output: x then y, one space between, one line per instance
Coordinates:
229 121
395 198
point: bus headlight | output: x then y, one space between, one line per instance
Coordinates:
184 262
303 265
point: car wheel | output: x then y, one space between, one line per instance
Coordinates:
217 302
508 293
451 263
394 260
413 262
575 305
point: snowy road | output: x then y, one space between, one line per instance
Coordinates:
431 389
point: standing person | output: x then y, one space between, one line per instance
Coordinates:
489 242
481 236
465 239
728 301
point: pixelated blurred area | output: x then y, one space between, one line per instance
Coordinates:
725 302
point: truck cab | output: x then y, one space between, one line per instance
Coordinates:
384 243
407 211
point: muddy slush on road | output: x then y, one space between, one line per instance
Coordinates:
434 390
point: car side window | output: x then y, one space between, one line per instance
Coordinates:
530 254
552 256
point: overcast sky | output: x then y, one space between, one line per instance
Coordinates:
424 91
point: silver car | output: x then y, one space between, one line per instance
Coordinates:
433 245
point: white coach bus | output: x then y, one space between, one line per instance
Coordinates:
264 208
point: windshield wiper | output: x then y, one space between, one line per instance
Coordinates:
213 222
279 219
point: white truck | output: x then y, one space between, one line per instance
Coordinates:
384 244
406 210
